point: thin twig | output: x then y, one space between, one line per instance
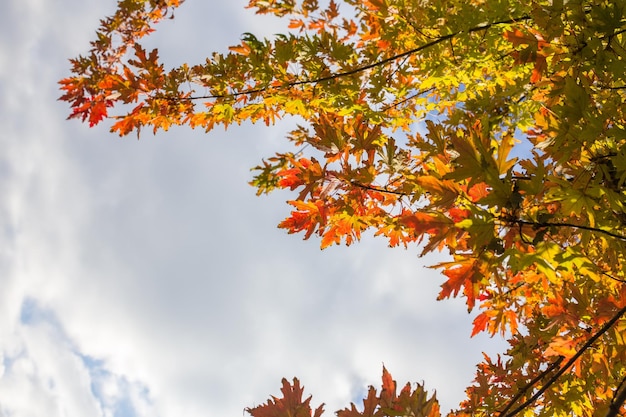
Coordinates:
406 99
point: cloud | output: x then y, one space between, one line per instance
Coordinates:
44 367
144 278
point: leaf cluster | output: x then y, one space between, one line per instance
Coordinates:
491 130
387 403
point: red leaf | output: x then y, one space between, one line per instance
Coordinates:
307 216
478 191
98 112
517 37
289 178
480 323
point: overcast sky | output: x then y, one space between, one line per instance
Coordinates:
145 278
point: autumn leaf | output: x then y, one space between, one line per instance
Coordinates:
307 216
409 402
389 386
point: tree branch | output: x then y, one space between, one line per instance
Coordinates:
569 363
356 70
519 222
534 381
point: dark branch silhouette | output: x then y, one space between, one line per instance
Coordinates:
618 399
614 278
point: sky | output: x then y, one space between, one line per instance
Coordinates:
145 278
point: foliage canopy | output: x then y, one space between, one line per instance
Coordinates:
493 130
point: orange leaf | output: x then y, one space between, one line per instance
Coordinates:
458 275
124 126
517 37
295 24
511 318
388 393
561 346
383 44
388 383
373 4
242 49
435 185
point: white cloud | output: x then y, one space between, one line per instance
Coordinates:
160 284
